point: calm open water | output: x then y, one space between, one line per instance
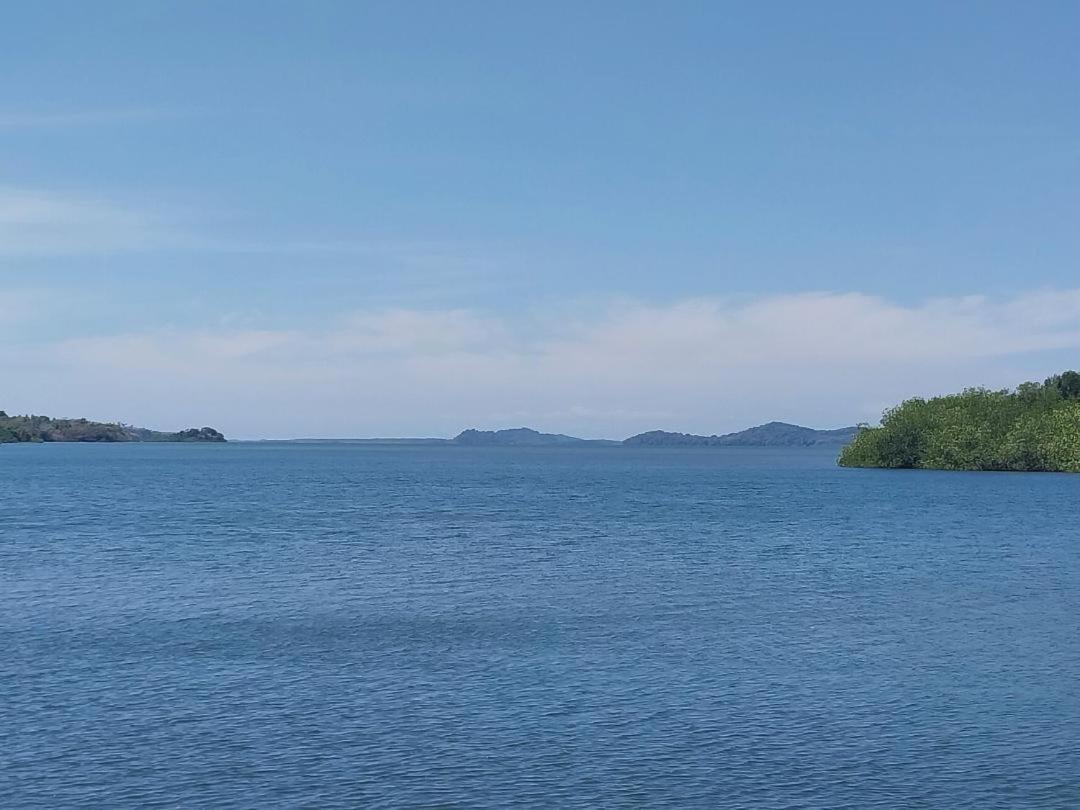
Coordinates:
291 625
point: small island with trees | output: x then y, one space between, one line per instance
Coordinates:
33 428
1034 428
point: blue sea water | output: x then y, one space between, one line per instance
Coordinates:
333 625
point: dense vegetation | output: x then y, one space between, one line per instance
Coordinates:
1036 428
46 429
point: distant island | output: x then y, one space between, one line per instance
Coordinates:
521 437
1033 428
32 428
772 434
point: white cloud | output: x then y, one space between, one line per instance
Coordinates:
38 222
700 364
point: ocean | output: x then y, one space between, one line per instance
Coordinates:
352 626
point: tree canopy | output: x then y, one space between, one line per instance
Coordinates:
1036 428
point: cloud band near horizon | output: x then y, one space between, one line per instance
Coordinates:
698 364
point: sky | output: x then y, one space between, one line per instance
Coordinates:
408 218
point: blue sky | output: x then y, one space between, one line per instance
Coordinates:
379 218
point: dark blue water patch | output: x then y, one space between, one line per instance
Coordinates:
341 626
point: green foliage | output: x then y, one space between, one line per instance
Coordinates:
1035 427
46 429
1066 384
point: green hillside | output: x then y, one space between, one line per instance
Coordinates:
32 428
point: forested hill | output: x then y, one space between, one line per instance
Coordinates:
47 429
1034 428
772 434
520 437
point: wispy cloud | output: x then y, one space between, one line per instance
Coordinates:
37 222
43 223
697 364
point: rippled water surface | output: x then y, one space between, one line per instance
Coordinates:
261 625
